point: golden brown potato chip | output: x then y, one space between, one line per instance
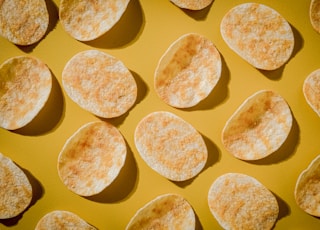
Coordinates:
92 158
238 201
311 90
192 4
99 83
62 220
168 211
15 189
87 20
258 127
258 34
23 22
170 146
307 190
25 86
188 71
314 14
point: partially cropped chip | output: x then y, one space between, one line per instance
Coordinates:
99 83
311 90
258 127
87 20
192 4
170 146
258 34
314 14
92 158
25 86
168 211
62 220
15 189
307 190
188 71
23 22
239 201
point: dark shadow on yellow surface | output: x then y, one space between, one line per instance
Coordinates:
125 31
37 193
287 149
198 223
53 12
219 93
298 45
284 208
198 15
49 116
213 158
124 185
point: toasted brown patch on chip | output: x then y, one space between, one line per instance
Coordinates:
15 189
238 201
258 127
311 90
23 22
170 146
192 4
307 190
169 211
188 71
25 86
99 83
87 20
92 158
62 220
258 34
314 14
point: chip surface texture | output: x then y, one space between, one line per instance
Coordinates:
192 4
314 14
311 90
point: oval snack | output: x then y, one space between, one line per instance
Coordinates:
311 90
258 34
15 189
25 86
170 146
87 20
238 201
168 211
192 4
23 22
307 188
99 83
92 158
314 14
59 219
188 71
258 127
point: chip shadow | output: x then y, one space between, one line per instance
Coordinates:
49 116
125 31
124 184
37 193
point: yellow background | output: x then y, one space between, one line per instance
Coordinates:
140 38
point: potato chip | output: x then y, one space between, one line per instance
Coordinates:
25 86
15 189
92 158
238 201
170 146
307 190
188 71
66 220
258 127
99 83
258 34
192 4
311 90
314 14
168 211
87 20
23 22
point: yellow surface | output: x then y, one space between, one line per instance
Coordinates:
139 39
